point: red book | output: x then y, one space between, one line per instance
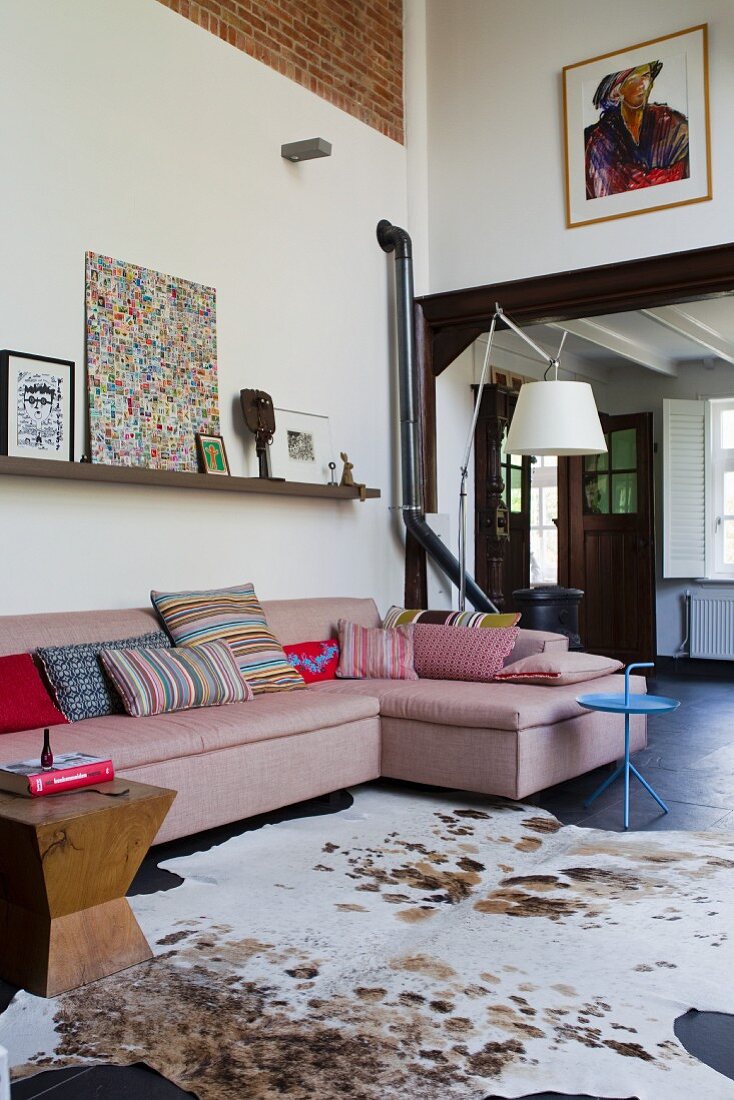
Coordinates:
71 771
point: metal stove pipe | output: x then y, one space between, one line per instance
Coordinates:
393 239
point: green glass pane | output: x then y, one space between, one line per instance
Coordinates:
624 449
515 489
596 463
596 495
624 494
516 460
729 493
503 452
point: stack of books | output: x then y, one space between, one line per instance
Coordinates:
70 771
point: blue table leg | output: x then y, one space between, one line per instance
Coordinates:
626 771
649 789
607 783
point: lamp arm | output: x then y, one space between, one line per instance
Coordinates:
524 336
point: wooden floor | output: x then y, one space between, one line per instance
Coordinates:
689 761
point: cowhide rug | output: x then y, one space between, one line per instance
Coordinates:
416 946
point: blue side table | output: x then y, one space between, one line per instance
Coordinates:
628 704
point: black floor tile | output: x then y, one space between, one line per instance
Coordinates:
136 1082
709 1036
645 814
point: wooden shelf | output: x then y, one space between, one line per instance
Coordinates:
138 475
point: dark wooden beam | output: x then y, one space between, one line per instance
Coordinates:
456 317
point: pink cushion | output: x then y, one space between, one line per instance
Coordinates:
24 702
551 669
373 653
461 652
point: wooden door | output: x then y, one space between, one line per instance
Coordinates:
607 541
501 502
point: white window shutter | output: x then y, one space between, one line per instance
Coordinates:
684 489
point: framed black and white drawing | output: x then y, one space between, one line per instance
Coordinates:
301 449
36 406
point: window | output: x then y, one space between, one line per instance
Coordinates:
543 511
720 491
610 480
698 489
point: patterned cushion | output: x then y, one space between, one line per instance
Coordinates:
231 615
369 653
155 681
557 669
24 701
461 652
314 660
78 680
399 616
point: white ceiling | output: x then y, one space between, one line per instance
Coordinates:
661 340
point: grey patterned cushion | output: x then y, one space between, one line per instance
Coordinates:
81 686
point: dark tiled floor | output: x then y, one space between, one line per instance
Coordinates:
689 761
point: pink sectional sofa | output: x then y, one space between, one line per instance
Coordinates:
236 761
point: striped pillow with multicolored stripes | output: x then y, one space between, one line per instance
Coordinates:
156 681
231 615
369 653
402 616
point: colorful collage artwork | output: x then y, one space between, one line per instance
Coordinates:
151 365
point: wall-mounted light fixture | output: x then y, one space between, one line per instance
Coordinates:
306 150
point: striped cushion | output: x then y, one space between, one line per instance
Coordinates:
369 653
155 681
231 615
399 616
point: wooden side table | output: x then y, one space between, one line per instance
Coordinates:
65 864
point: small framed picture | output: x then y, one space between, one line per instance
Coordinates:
301 447
212 455
36 406
637 129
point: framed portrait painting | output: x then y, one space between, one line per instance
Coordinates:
637 129
36 406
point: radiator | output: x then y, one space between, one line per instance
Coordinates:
712 626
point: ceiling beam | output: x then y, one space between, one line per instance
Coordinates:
678 320
618 344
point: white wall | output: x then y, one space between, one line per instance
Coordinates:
129 131
496 175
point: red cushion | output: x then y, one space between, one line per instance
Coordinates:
314 660
24 702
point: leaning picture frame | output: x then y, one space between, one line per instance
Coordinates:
36 406
212 454
301 449
637 131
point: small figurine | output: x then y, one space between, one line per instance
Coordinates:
47 757
348 478
332 479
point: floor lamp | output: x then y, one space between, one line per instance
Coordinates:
550 418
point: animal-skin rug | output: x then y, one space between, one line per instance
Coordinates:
416 946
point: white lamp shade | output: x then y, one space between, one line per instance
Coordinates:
555 418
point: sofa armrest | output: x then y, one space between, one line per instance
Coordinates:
530 642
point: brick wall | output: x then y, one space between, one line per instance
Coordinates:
347 51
